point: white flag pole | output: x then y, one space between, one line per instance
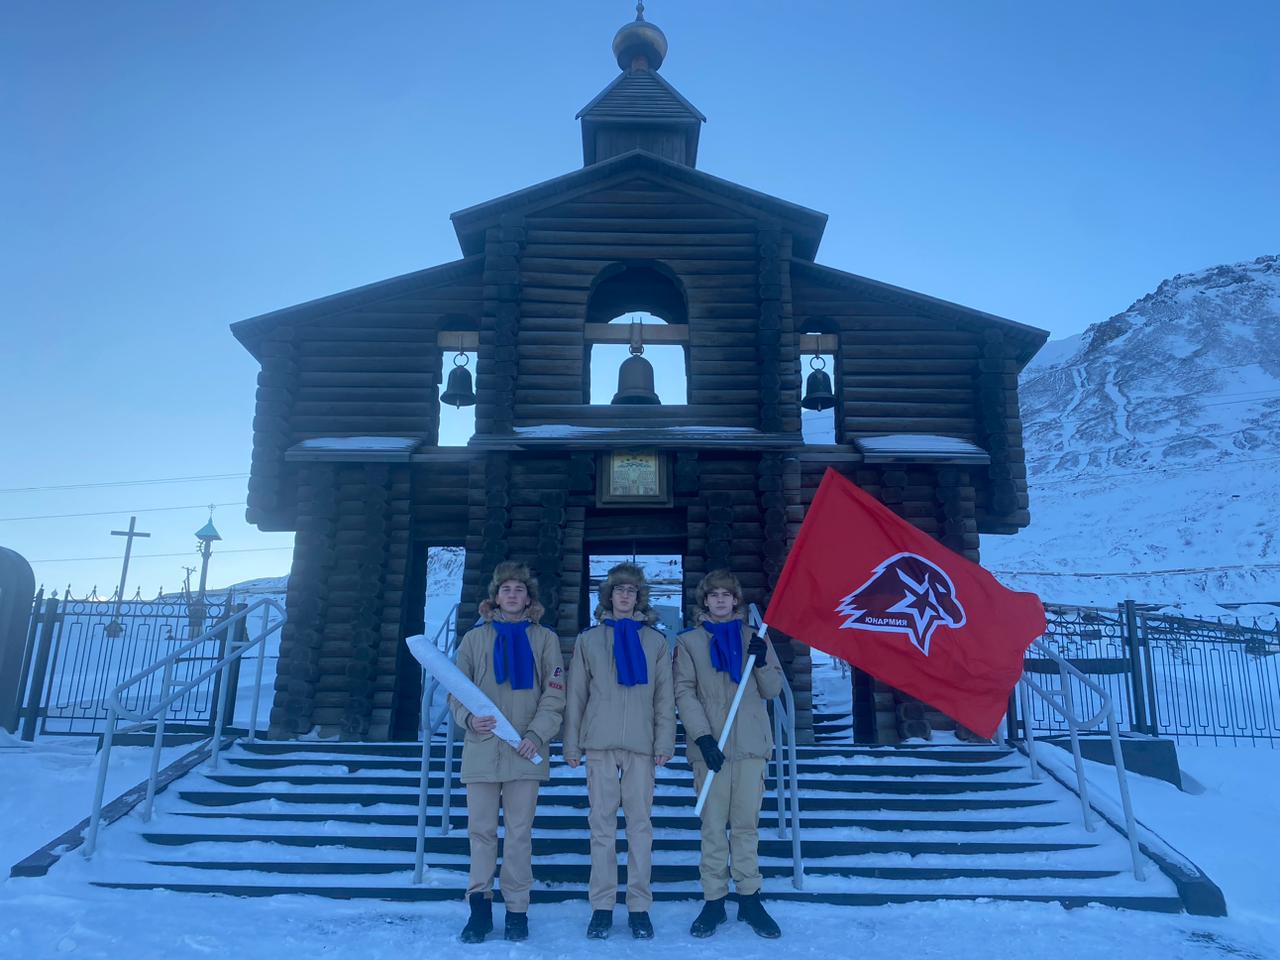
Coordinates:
750 665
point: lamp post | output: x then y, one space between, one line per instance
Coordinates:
205 535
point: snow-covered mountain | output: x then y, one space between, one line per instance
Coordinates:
1153 449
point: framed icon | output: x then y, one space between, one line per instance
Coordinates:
633 476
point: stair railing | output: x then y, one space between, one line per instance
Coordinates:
171 692
786 766
445 640
1062 701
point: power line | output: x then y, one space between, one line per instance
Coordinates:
126 483
142 556
122 513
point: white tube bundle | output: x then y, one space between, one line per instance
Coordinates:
463 690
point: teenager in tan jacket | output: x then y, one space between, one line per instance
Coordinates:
621 715
515 662
709 661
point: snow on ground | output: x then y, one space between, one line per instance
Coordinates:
39 923
1228 829
46 788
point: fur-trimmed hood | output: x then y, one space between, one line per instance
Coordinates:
510 570
625 573
717 580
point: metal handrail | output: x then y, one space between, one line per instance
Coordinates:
449 632
169 695
788 769
1062 701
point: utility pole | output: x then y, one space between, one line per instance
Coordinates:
115 628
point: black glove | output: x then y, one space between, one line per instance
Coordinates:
711 754
757 646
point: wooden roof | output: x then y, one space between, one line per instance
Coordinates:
806 225
254 330
1028 338
640 95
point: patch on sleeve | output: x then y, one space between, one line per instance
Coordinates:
555 682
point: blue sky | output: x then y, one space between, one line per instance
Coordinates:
170 168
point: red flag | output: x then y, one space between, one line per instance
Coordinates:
865 585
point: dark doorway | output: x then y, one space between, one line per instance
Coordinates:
434 586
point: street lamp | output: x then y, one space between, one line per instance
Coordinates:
205 535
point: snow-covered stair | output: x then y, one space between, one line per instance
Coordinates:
879 825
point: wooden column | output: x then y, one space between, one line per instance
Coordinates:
496 363
298 668
1001 431
769 330
778 479
490 517
392 592
957 499
277 385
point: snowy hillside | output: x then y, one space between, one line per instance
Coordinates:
1153 443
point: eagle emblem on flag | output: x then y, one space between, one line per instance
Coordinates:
905 594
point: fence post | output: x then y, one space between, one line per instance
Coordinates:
1153 717
28 657
35 690
1139 719
236 638
1011 724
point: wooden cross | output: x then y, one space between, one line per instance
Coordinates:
129 534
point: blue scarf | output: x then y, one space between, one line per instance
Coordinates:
726 647
512 654
628 652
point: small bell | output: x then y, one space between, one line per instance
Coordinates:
457 391
635 381
817 388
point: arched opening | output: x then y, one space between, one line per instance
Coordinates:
820 414
670 379
630 303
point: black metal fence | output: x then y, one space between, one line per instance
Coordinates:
79 650
1195 680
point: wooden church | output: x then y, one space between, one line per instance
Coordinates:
346 428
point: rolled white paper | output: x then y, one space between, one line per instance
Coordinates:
463 690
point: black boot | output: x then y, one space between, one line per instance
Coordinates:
640 924
752 910
601 924
712 915
481 922
516 926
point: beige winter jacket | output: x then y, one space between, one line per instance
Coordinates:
704 694
602 714
535 713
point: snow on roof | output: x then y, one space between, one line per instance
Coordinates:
358 443
920 448
566 430
354 448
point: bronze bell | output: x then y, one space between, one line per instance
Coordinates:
458 392
635 381
817 392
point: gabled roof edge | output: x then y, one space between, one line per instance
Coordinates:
662 81
1033 337
250 331
469 223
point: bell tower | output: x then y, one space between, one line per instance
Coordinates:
640 110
